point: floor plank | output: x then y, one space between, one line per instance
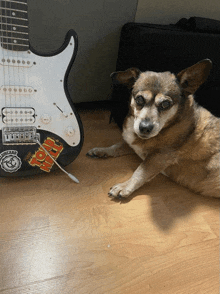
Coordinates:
60 237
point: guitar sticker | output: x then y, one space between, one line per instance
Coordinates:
9 161
42 159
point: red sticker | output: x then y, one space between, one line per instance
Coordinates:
42 159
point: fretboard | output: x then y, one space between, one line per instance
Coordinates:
14 25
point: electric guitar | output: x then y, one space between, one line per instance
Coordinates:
39 125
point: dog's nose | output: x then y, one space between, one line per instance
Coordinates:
146 127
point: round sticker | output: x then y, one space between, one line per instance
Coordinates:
9 161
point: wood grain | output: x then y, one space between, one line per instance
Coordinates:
58 237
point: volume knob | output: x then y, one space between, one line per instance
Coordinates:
46 118
70 131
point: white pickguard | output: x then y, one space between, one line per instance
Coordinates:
41 83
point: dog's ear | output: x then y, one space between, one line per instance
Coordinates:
127 77
193 77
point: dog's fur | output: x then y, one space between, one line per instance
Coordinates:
169 131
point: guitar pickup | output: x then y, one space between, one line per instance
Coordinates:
18 115
15 61
16 90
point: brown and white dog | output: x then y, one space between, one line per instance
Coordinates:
169 131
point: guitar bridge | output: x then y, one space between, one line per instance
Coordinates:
20 136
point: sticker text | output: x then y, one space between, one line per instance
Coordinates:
42 159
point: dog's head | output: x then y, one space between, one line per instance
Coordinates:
157 98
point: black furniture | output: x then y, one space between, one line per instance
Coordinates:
170 48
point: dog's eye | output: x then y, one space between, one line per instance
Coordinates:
140 100
165 105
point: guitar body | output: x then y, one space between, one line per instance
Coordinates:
35 105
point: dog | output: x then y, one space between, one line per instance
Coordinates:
168 130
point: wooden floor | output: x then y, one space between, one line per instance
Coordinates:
58 237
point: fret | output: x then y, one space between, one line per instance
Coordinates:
16 28
13 32
13 13
12 41
15 18
20 2
14 5
14 38
7 43
15 47
14 25
11 9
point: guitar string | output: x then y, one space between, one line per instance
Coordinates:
11 68
12 53
5 55
27 96
27 103
4 59
19 69
9 71
24 69
2 50
16 67
13 96
18 76
24 96
8 76
12 73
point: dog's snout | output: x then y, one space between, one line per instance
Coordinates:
146 127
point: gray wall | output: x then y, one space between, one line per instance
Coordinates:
98 24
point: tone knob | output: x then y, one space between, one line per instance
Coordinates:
70 131
46 118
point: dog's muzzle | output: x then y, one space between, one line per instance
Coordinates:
145 127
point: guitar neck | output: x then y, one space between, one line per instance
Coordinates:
14 25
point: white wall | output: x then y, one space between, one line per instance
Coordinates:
170 11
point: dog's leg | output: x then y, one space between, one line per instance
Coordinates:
115 150
146 171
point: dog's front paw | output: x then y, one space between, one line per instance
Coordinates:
98 153
120 190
